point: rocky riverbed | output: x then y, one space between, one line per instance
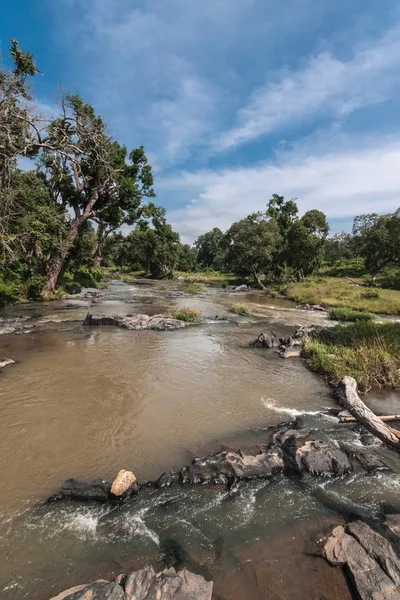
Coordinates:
85 401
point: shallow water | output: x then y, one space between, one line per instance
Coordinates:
86 402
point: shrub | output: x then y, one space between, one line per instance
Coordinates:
240 309
189 315
8 293
35 286
370 295
190 287
349 315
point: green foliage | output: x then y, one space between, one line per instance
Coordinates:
349 315
240 309
9 292
369 352
191 287
377 240
211 249
339 292
252 244
188 315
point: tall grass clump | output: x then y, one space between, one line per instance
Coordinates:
349 315
191 287
367 351
240 309
188 315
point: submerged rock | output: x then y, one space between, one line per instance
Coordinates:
10 325
135 322
369 557
267 340
288 452
241 288
6 361
144 584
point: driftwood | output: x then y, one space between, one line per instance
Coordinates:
356 407
385 418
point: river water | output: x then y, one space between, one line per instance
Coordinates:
85 402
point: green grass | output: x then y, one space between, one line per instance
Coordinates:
191 287
188 315
240 309
349 315
369 352
215 278
340 292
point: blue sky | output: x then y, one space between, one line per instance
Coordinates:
234 100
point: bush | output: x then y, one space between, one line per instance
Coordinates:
370 295
189 315
35 286
8 293
240 309
349 315
190 287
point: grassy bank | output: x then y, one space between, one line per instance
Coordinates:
340 292
367 351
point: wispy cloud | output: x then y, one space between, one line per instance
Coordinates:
342 184
324 84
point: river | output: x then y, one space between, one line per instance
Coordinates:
85 402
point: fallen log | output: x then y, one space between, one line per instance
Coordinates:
384 418
351 401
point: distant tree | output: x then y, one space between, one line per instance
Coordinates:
377 239
338 248
252 244
283 211
305 242
211 249
187 258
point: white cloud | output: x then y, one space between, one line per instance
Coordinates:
342 184
325 85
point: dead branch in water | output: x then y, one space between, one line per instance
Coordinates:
385 418
361 413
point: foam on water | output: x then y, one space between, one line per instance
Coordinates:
270 404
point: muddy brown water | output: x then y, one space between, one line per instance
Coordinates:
86 402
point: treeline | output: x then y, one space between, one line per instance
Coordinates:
276 245
60 223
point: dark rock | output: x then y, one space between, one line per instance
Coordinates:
292 352
10 325
98 490
168 479
135 322
145 584
320 458
366 458
266 340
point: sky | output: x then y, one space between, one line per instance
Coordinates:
233 100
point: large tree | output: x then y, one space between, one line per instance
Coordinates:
88 174
377 240
252 244
211 250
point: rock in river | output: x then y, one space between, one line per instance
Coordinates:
144 584
122 482
4 361
369 558
157 322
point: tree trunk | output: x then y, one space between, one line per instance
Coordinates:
258 281
356 407
97 254
56 263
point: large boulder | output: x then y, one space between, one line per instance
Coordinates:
267 340
370 559
144 584
135 322
73 489
241 288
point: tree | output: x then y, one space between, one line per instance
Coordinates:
285 212
187 258
211 249
377 240
252 244
338 248
88 174
305 242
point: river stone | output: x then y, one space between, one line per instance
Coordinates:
135 322
320 458
99 590
122 482
371 582
98 490
141 585
266 340
241 288
6 361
